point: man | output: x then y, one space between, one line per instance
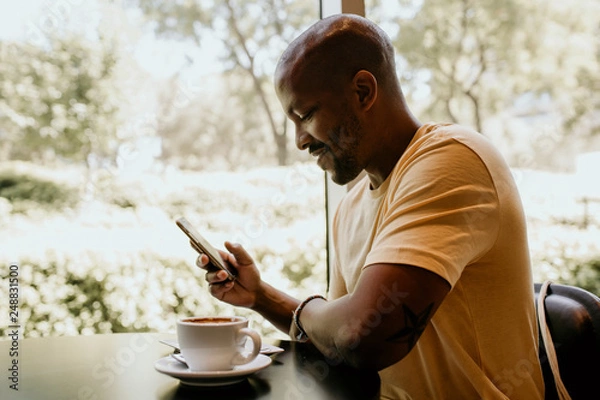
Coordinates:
431 284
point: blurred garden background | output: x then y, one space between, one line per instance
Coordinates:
116 117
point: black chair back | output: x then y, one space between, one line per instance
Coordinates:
573 318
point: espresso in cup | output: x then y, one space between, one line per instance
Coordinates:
216 343
209 320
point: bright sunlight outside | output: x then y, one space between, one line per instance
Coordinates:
117 117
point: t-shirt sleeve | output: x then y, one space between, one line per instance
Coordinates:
441 212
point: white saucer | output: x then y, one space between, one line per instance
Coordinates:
169 366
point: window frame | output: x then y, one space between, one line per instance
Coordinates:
333 191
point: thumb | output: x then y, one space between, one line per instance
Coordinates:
241 255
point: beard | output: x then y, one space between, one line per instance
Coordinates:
346 138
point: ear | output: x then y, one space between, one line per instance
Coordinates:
365 86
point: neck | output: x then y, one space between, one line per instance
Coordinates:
390 146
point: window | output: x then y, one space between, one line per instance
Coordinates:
118 117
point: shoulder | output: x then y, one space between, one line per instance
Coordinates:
450 138
441 151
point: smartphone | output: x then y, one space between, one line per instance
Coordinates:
202 245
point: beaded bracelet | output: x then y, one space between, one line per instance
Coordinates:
302 336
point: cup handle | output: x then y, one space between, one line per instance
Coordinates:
240 358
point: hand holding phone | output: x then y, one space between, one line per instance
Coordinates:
201 245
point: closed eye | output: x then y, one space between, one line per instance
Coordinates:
308 115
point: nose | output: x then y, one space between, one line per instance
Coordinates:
303 138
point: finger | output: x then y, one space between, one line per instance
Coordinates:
216 276
219 290
202 261
241 255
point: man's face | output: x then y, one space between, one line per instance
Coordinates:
338 153
326 126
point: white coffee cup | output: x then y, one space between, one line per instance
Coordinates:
216 343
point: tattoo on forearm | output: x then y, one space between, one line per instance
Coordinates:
414 325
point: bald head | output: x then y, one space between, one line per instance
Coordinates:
334 49
337 83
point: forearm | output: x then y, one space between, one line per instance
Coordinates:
345 334
378 324
337 330
275 306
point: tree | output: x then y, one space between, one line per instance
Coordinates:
253 35
477 58
212 131
458 48
57 99
569 59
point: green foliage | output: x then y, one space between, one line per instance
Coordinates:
470 61
251 36
58 100
146 293
304 268
143 293
24 190
173 19
575 271
464 47
586 275
124 202
118 264
205 202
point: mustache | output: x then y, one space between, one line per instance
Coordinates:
317 146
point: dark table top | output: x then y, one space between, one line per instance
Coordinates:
121 366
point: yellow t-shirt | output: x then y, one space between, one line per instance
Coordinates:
450 206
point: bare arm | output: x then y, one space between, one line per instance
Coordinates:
373 327
275 306
380 322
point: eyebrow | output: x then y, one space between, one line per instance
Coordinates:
295 106
291 111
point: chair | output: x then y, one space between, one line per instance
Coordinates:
573 319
